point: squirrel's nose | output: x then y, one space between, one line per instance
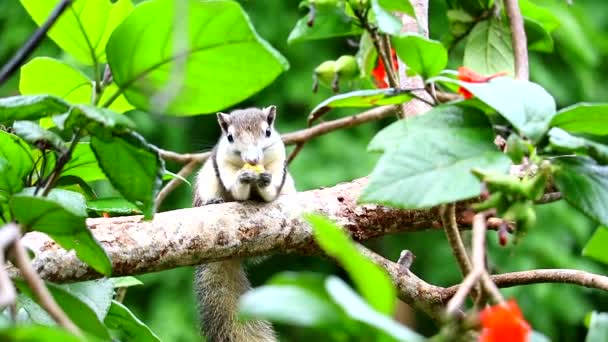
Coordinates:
252 161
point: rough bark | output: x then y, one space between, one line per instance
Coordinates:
214 232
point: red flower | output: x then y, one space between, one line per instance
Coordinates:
469 75
379 73
503 323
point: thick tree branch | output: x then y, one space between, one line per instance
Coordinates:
518 39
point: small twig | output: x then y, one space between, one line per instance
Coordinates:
479 271
175 182
450 227
61 161
518 38
45 299
26 50
295 152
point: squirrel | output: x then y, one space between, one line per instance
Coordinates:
247 163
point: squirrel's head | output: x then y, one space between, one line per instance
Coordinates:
248 135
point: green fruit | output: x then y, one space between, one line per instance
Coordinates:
516 148
326 73
347 68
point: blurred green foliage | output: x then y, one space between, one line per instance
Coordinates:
576 71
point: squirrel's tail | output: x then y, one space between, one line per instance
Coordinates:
219 286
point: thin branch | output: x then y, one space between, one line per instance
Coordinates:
61 161
26 50
295 152
45 299
518 39
175 182
560 276
450 227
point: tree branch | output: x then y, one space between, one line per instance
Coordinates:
26 50
518 39
450 226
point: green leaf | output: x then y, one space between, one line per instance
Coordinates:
543 16
596 246
372 281
330 20
79 312
363 98
562 141
115 206
96 294
590 118
488 48
133 167
528 106
44 75
30 107
18 162
359 310
428 158
422 56
37 333
225 60
289 304
388 22
84 29
97 121
62 215
538 38
366 55
127 281
584 184
38 136
83 164
121 318
598 328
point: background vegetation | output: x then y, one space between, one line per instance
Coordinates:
576 70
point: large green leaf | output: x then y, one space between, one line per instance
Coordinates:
36 135
386 20
538 38
18 162
422 56
133 167
62 215
96 294
79 312
330 20
37 333
114 206
224 59
528 106
372 281
428 158
562 141
598 327
84 28
83 164
590 118
488 48
289 304
44 75
30 107
596 246
542 15
97 121
359 310
121 318
363 98
584 184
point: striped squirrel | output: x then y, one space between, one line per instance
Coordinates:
248 163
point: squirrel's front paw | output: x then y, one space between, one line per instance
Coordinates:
247 176
264 179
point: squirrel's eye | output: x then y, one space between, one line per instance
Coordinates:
230 138
267 132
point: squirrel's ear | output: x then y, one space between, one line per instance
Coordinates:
224 120
271 113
